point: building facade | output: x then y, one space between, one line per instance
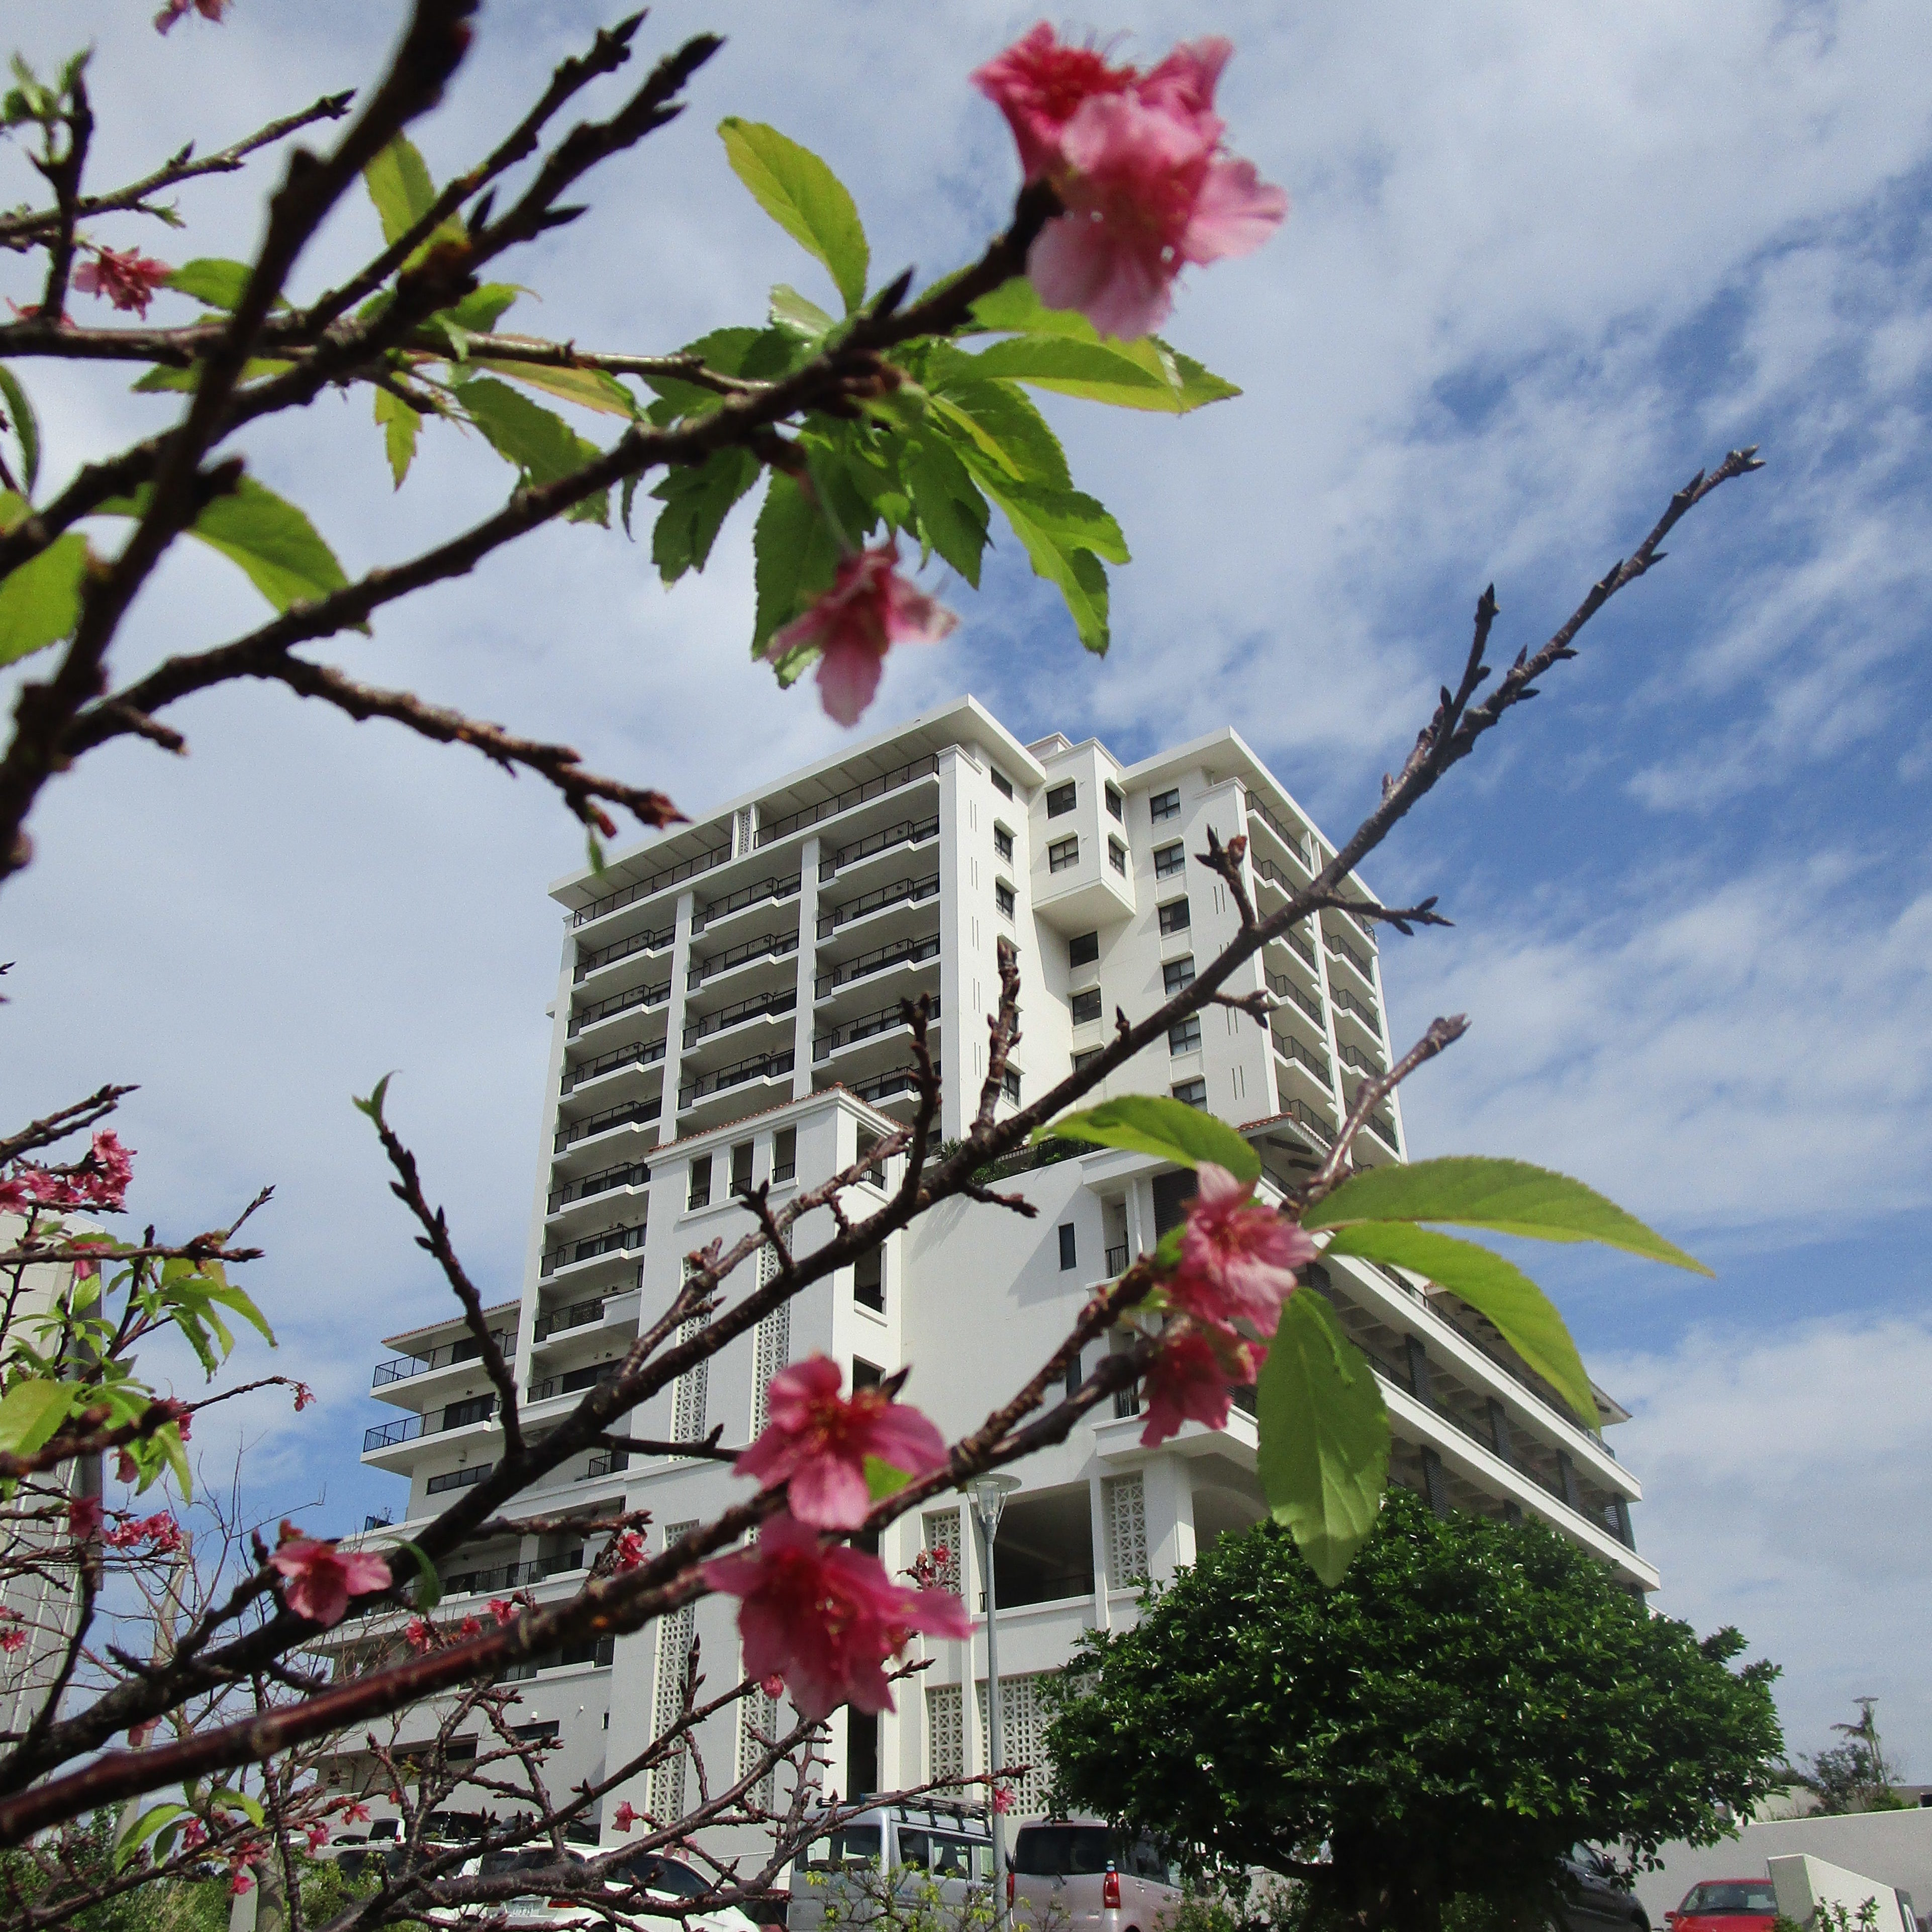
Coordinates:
727 1013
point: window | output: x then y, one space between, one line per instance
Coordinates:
869 1281
1177 974
459 1479
1002 784
785 1153
1069 1247
1003 898
865 1375
1170 861
1192 1092
1083 949
1185 1035
1060 799
1116 856
1164 805
461 1415
700 1196
741 1168
1002 842
1075 1373
1009 1085
1174 917
1086 1057
1086 1005
1117 806
1063 855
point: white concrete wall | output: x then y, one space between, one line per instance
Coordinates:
1804 1883
1895 1847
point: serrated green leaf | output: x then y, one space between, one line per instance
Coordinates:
211 279
1324 1431
1157 1124
39 600
231 1296
167 1440
798 315
30 1412
399 184
1524 1315
588 388
1095 370
162 378
805 198
795 556
143 1829
1070 566
478 311
696 501
883 1480
225 1798
1508 1197
1000 424
952 513
539 442
399 426
26 427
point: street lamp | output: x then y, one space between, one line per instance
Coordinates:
988 1495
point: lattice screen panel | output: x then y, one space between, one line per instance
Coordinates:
688 1407
1023 1740
674 1634
945 1731
772 1351
1126 1498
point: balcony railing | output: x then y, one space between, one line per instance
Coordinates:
909 892
1289 1048
576 1315
400 1368
513 1576
618 1003
1353 1002
864 1027
606 1464
639 1053
893 953
1283 987
759 1066
908 831
588 963
1300 945
1267 869
1116 1259
900 1080
775 945
644 888
1340 947
599 1651
1324 1131
1353 1056
635 1174
632 1113
1293 841
613 1241
830 808
406 1429
784 1000
571 1384
1383 1131
754 894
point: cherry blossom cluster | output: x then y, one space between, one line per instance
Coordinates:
99 1180
13 1631
319 1579
125 277
159 1534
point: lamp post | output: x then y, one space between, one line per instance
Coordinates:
989 1495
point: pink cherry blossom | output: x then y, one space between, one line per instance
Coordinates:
1237 1255
356 1814
1038 84
626 1819
1003 1799
128 278
469 1626
13 1640
418 1635
14 1198
172 11
304 1395
772 1686
194 1835
818 1439
627 1551
1193 1379
869 608
238 1882
319 1579
126 1469
83 1518
825 1617
318 1836
504 1611
113 1164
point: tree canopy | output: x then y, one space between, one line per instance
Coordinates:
1472 1700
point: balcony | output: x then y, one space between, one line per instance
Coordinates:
1305 1116
1296 845
638 1053
908 891
894 952
513 1576
1299 944
574 1383
1354 1058
1363 1010
759 1006
578 1315
408 1428
618 1003
759 1066
888 1086
756 893
568 1254
767 945
657 883
1284 988
635 1174
632 1113
588 963
866 1027
1299 1052
1117 1260
908 831
608 1462
843 801
1340 949
400 1368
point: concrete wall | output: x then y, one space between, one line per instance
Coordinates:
1893 1847
1804 1883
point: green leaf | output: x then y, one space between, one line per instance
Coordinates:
795 556
26 427
167 1440
1508 1197
428 1591
373 1106
40 601
1094 370
805 198
995 421
1525 1317
1324 1453
399 184
798 316
211 279
162 378
478 311
696 501
883 1480
538 441
951 512
1042 520
588 388
30 1412
1156 1124
224 1797
400 424
143 1829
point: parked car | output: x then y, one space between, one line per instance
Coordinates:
564 1912
1725 1905
1080 1875
1595 1895
894 1848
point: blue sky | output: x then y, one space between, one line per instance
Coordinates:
1542 263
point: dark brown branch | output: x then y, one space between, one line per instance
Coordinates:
63 1121
63 176
1442 1034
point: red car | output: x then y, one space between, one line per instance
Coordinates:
1725 1905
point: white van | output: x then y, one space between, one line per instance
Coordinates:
896 1848
1081 1875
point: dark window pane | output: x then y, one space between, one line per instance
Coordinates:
1174 917
1083 949
1164 805
1087 1005
1060 800
1069 1255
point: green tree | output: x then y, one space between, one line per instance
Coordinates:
1856 1775
1474 1699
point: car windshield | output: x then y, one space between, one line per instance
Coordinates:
851 1849
664 1875
1732 1895
1064 1851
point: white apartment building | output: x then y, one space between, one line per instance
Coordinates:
727 1013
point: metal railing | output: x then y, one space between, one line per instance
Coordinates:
1353 1002
632 1113
1383 1130
576 1315
513 1576
759 1066
1353 1056
588 963
597 1651
644 888
1340 947
908 831
1293 841
843 801
772 945
784 1000
613 1241
1289 1048
864 1027
577 1380
755 894
1116 1259
400 1368
1267 868
1300 945
633 1175
606 1464
618 1003
641 1053
911 892
1299 1110
900 1080
893 953
1283 987
407 1428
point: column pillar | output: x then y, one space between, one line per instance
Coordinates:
680 970
807 961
